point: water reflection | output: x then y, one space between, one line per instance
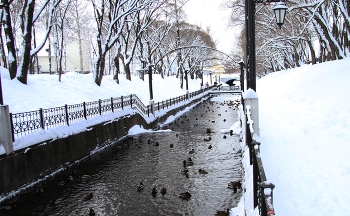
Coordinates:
113 175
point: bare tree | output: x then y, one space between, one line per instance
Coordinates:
30 13
111 17
59 30
80 27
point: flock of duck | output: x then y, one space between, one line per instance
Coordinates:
64 178
9 204
189 161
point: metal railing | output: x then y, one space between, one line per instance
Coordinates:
262 189
29 122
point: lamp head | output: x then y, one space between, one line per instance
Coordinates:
280 13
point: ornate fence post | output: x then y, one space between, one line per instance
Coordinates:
112 105
255 146
151 104
41 114
12 128
5 129
99 106
67 115
122 102
84 104
268 196
131 100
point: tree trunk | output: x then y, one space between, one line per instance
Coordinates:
27 36
3 55
10 41
312 52
116 63
100 67
127 71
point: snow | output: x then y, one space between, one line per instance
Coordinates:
304 117
250 93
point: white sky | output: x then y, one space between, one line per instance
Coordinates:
210 13
304 127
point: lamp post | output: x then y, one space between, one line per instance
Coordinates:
1 98
280 12
242 65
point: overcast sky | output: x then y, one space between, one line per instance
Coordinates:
209 13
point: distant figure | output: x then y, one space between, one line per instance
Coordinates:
206 84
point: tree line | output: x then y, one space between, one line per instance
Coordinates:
313 32
121 30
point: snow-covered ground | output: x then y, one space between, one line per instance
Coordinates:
304 127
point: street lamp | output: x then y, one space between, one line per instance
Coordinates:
280 13
1 98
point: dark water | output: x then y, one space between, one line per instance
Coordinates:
113 175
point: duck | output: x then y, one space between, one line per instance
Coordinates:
163 191
171 145
208 130
224 137
189 162
222 213
224 120
186 195
52 202
207 139
154 191
88 197
231 132
184 163
73 172
8 207
39 191
61 183
209 147
177 135
149 141
91 212
234 184
70 179
156 144
140 187
184 171
191 151
201 171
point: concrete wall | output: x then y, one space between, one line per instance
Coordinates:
25 166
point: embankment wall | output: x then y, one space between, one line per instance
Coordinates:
30 164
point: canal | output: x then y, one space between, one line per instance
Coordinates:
112 176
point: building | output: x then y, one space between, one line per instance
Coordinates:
216 69
71 58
